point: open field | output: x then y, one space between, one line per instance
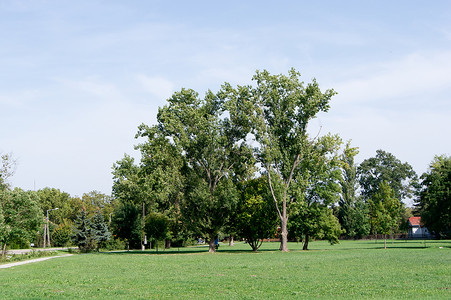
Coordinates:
352 269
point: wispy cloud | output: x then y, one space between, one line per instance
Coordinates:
418 73
156 85
91 86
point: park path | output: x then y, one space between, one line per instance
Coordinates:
18 263
24 251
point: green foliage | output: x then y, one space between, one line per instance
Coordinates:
314 221
82 232
21 216
256 217
62 234
435 197
126 224
99 230
157 227
385 210
211 143
90 233
282 108
205 214
352 211
401 178
126 179
317 189
61 220
115 244
51 198
160 171
4 229
354 218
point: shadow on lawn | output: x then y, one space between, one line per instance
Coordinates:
363 245
396 244
183 250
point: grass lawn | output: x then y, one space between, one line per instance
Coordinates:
352 269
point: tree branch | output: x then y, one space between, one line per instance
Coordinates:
272 192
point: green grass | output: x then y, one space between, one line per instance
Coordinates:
352 269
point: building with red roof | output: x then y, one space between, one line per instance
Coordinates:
417 229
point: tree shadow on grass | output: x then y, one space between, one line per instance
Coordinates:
186 250
396 244
358 245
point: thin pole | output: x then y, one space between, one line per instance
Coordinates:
45 232
48 229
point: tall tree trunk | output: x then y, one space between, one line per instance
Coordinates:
231 241
385 241
211 245
284 233
306 242
4 249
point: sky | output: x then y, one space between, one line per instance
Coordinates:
78 77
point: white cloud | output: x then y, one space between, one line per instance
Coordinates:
156 85
93 87
417 73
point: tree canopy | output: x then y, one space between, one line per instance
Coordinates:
386 167
282 107
256 218
434 199
21 217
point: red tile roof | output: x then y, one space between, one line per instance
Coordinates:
415 221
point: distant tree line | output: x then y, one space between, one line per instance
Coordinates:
23 215
239 163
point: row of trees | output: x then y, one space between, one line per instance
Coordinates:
23 215
241 163
219 163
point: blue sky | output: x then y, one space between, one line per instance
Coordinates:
78 77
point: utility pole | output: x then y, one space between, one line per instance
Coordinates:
45 232
47 227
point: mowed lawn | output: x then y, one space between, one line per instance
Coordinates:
352 269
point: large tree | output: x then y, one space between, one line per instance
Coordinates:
213 146
434 199
162 176
283 107
386 167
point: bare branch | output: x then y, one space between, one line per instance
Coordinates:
272 192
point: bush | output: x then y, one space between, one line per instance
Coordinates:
61 235
115 244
